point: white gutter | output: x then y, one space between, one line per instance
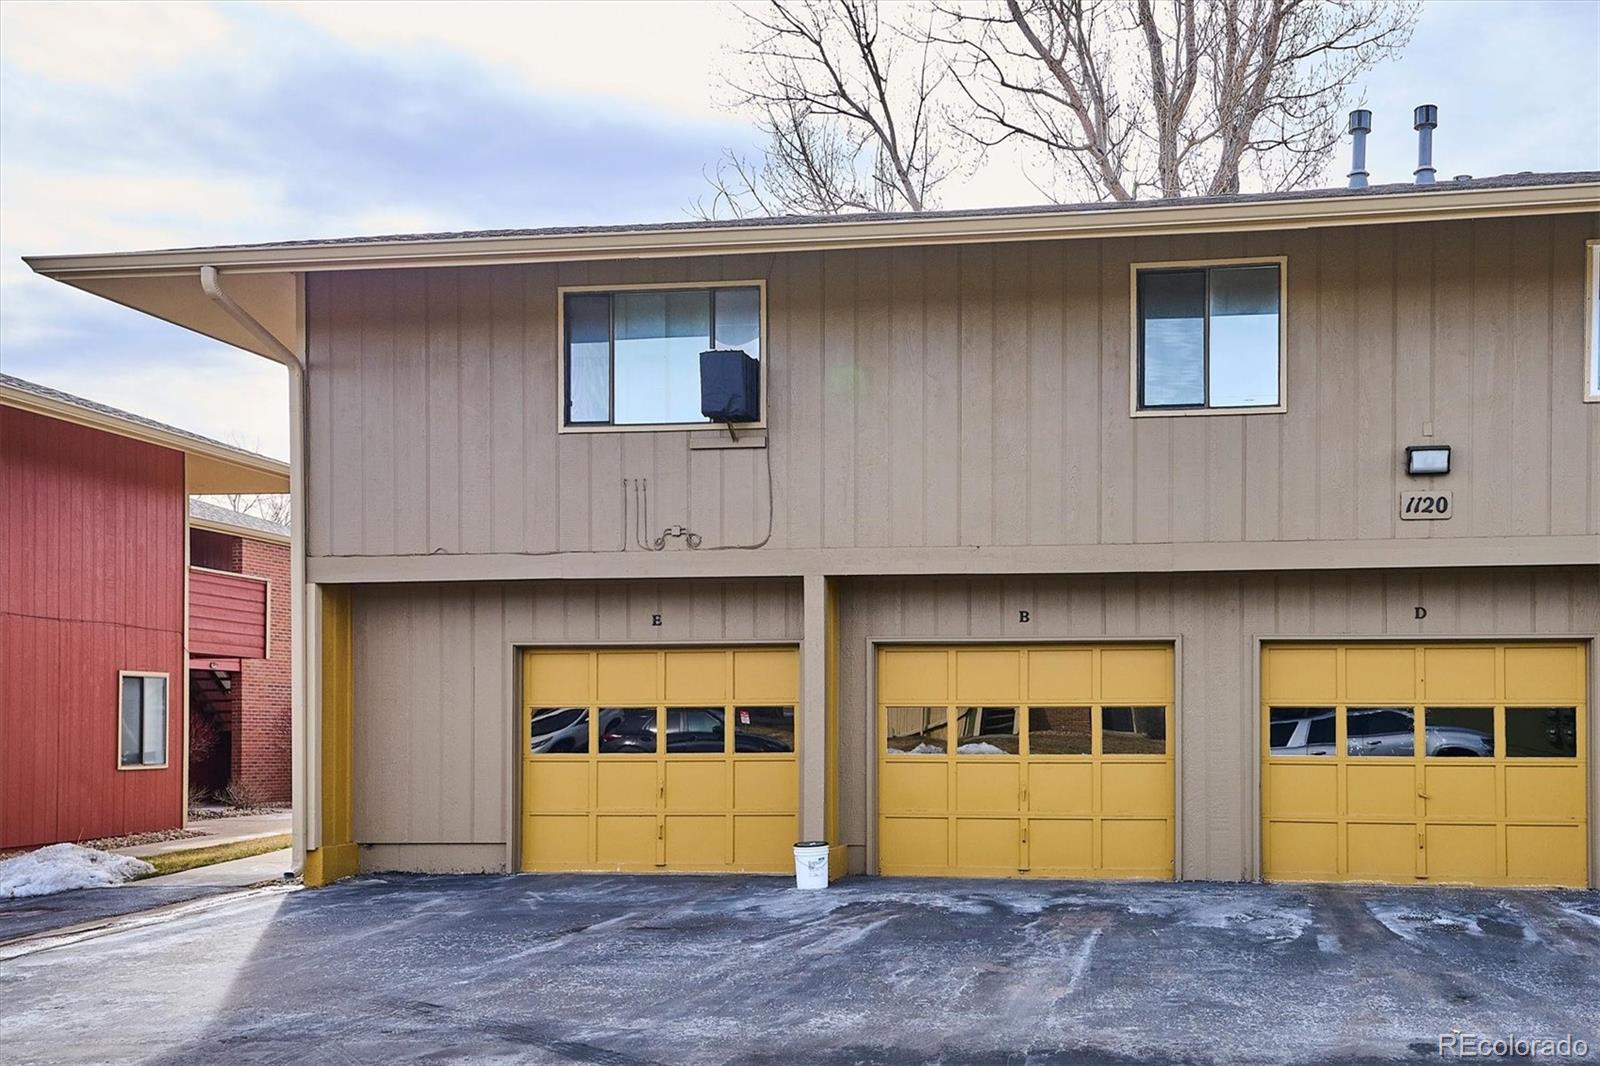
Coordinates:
305 731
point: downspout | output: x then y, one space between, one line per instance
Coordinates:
306 751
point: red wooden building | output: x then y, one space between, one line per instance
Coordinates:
94 624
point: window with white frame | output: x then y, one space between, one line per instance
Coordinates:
1209 337
632 357
143 715
1592 327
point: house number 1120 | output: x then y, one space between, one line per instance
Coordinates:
1425 506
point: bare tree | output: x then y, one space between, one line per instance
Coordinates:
273 506
1171 97
847 104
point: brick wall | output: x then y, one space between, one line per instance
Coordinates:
261 745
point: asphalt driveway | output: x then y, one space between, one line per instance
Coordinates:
619 970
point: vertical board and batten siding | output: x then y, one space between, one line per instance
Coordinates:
972 395
435 693
91 583
1218 618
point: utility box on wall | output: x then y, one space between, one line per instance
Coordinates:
730 386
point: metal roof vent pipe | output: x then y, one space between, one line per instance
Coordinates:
1427 119
1360 126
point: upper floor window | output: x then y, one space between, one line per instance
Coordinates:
1210 337
632 358
142 715
1592 385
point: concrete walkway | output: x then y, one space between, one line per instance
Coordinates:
217 831
38 915
236 873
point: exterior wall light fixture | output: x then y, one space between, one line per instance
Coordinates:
1428 460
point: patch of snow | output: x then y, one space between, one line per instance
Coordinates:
63 867
1268 923
976 747
1581 912
1225 912
1406 922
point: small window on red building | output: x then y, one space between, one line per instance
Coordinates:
143 714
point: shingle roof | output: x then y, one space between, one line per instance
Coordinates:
1524 179
223 516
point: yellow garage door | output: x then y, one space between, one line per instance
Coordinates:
679 759
1437 763
1025 761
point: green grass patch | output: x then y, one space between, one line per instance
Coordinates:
190 858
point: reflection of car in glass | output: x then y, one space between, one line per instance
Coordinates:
1313 735
693 729
560 729
1377 731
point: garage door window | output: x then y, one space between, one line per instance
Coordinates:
916 731
1458 732
1133 730
1380 731
559 731
1060 731
763 730
1542 732
987 731
627 730
1300 731
696 729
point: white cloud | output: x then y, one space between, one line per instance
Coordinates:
106 43
88 211
663 53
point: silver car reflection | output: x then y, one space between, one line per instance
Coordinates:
1378 731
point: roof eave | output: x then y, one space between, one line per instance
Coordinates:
1431 205
213 467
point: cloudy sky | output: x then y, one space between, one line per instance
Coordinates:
128 125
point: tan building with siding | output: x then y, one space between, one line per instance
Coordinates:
1070 542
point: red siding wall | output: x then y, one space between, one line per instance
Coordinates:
91 582
227 615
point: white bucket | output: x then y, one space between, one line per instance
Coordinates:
811 864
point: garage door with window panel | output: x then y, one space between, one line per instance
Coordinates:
1435 763
680 759
1044 761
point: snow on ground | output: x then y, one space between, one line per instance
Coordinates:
979 747
62 867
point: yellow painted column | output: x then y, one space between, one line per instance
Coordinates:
838 853
337 855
